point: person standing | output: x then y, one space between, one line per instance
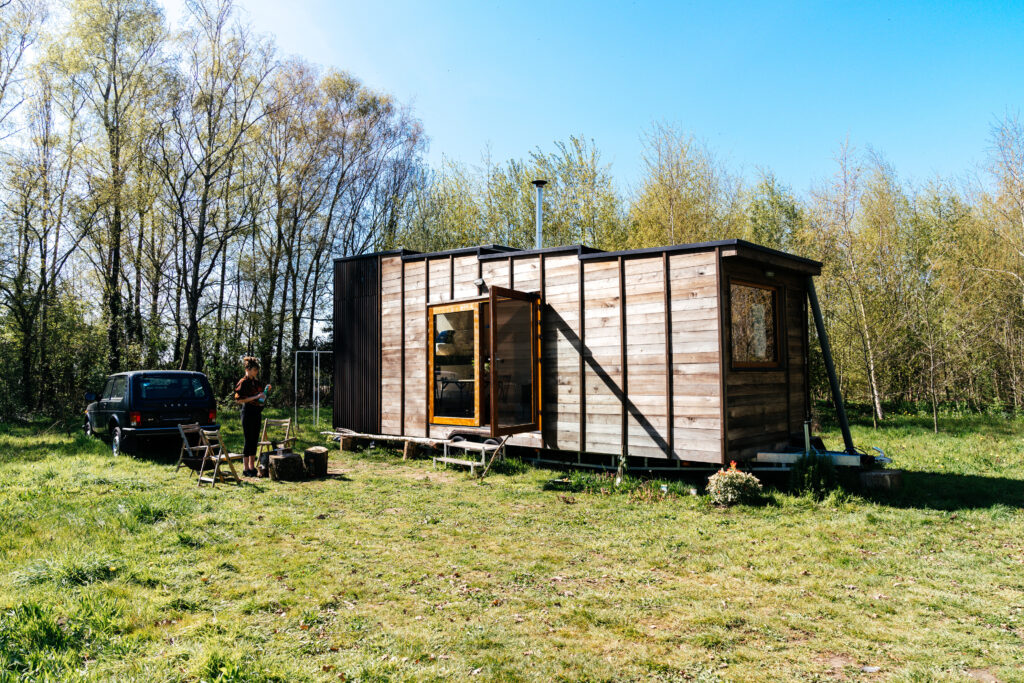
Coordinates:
250 395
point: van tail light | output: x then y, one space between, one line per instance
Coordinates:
135 418
212 416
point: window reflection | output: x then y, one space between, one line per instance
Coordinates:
454 350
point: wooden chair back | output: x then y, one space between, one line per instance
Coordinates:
191 443
276 432
215 456
210 438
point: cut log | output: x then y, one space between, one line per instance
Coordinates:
347 443
316 461
287 467
409 450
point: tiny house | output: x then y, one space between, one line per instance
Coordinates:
693 353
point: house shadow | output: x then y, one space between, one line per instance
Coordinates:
950 492
559 326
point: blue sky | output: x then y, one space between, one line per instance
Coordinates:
765 85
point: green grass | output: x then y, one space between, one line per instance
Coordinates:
120 569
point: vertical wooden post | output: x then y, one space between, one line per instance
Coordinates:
511 274
426 346
451 276
583 375
783 351
723 298
401 413
669 365
540 351
380 347
623 363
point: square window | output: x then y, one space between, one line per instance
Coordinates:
754 325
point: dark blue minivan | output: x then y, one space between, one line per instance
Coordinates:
145 404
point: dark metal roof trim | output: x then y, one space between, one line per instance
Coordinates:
578 249
487 252
375 254
697 246
481 250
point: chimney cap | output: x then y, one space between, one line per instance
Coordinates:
539 182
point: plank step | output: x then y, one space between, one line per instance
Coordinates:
458 461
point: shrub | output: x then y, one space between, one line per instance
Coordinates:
814 476
733 487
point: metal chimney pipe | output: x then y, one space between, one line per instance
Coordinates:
539 184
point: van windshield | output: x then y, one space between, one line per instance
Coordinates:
171 387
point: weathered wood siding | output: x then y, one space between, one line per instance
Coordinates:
766 406
602 358
696 361
647 406
391 344
560 358
415 331
665 384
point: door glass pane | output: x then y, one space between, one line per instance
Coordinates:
513 362
454 358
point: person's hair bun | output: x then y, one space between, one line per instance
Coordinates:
251 362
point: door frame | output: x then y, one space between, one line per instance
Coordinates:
534 299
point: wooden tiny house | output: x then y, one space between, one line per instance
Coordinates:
689 353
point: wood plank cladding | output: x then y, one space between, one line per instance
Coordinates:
415 331
560 354
765 407
634 347
391 343
695 357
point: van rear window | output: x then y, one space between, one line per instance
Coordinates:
169 388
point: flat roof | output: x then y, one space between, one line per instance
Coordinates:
487 252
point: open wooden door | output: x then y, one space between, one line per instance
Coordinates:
514 381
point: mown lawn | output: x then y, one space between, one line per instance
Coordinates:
120 569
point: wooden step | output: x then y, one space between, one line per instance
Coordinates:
458 461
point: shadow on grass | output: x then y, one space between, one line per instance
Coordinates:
25 449
942 491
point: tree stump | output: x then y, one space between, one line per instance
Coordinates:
287 467
409 450
316 461
347 443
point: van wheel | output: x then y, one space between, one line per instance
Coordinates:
120 443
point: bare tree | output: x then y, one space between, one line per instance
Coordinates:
215 106
112 54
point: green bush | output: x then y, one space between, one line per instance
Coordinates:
733 487
814 476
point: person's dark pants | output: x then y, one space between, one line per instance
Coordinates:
251 416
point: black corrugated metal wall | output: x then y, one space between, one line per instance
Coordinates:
357 344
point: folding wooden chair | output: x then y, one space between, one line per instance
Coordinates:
268 445
216 455
192 448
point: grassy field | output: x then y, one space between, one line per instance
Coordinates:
120 569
